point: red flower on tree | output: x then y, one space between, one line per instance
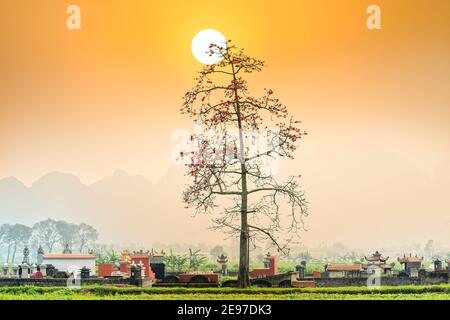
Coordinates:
227 165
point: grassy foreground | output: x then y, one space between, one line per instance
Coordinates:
441 292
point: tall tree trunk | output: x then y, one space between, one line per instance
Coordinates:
9 251
14 253
244 252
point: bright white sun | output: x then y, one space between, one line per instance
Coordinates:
201 43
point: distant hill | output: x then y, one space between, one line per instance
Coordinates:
124 208
374 198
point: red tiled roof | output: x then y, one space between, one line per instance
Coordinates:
68 256
374 266
139 255
377 258
443 271
343 267
410 259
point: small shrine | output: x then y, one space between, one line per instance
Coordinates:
222 260
270 268
40 255
67 249
157 256
437 265
26 256
301 269
266 260
125 256
377 263
157 263
142 259
343 270
411 265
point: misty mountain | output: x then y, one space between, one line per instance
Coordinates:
123 208
367 195
374 198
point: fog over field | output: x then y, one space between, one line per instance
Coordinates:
89 119
376 199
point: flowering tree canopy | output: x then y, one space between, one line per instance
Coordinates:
230 159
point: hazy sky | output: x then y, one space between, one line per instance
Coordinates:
376 104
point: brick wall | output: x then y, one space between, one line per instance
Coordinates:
50 282
385 281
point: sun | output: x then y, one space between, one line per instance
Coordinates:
201 43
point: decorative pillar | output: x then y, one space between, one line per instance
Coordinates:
141 266
301 268
85 273
15 271
266 261
43 269
34 269
222 261
135 271
40 255
25 272
125 267
26 256
6 270
437 265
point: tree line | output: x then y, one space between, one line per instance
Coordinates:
50 234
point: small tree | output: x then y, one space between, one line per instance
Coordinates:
170 260
181 261
113 257
196 259
228 162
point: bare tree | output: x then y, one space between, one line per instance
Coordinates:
15 237
7 238
20 234
68 233
46 233
230 156
86 235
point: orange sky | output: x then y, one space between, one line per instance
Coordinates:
107 97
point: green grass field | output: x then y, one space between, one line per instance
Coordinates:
441 292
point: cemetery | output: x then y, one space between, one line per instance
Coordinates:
148 269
